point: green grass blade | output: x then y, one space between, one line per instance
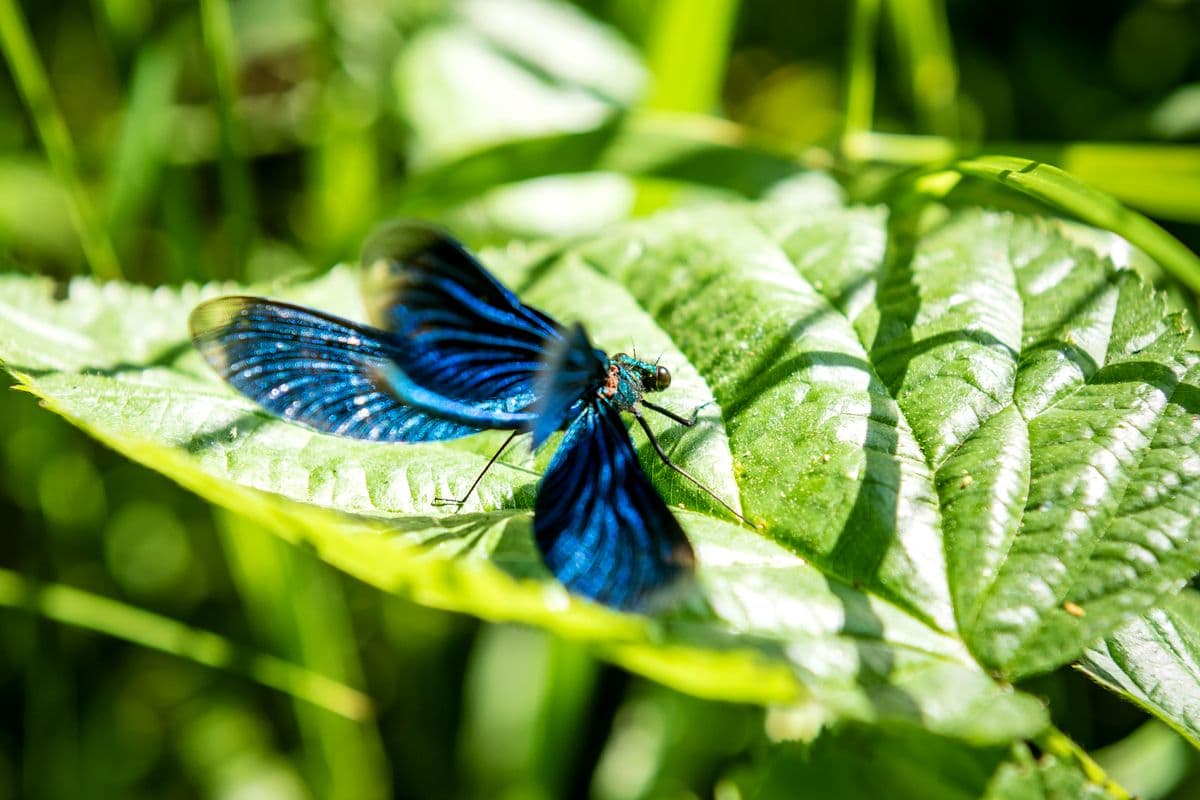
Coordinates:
236 187
1061 190
104 615
296 605
30 77
125 20
687 51
525 693
344 188
50 729
1160 179
923 38
1151 762
896 148
1163 180
145 135
860 70
1067 194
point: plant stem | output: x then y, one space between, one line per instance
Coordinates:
30 77
295 604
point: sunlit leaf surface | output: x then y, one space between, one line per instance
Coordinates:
1154 660
971 451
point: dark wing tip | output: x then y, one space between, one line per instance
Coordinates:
402 239
390 254
676 587
213 315
209 321
602 528
683 556
680 583
681 591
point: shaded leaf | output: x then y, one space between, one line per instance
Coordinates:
857 762
673 147
1051 777
853 761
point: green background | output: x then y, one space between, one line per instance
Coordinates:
248 140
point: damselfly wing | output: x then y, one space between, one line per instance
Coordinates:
451 352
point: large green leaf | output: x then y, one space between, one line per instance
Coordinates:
1053 400
955 441
1154 660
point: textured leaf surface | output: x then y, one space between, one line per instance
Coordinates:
1154 660
971 450
1015 447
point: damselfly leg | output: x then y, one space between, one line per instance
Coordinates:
666 459
687 421
450 501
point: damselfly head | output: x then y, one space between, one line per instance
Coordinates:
649 377
661 380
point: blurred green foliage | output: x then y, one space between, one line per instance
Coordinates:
175 141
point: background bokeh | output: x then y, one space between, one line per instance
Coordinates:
250 139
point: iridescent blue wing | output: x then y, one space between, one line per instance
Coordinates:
464 335
321 371
573 371
602 528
